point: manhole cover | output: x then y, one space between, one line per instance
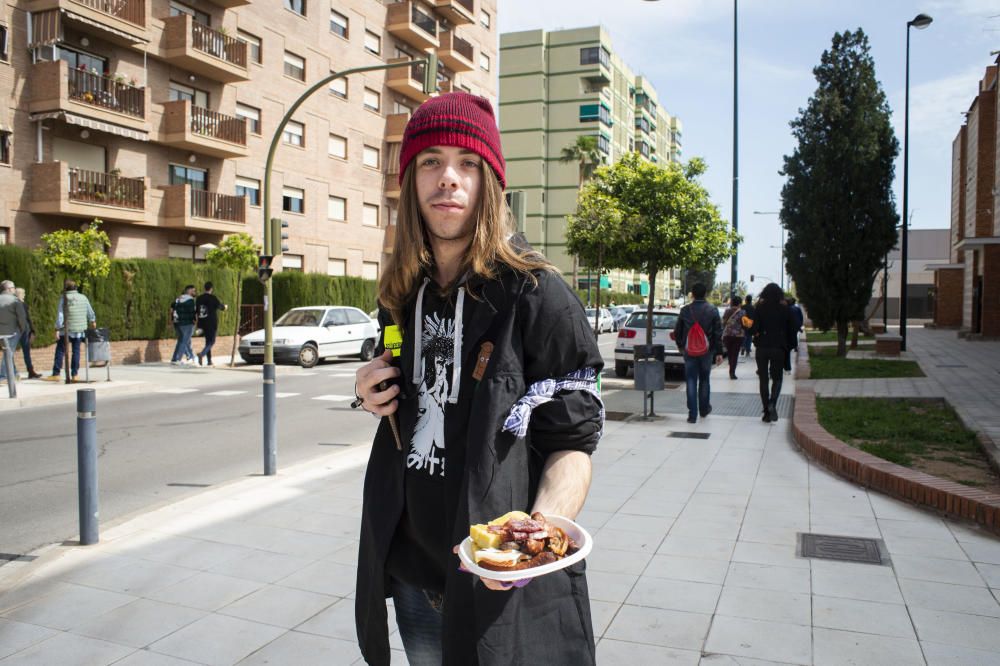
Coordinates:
616 416
689 435
844 549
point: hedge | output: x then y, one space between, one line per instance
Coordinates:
293 289
619 297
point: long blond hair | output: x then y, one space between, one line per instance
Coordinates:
489 249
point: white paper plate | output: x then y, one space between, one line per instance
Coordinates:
573 530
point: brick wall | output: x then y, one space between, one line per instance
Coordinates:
991 291
948 283
128 352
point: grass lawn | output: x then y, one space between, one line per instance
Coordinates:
825 364
921 434
813 335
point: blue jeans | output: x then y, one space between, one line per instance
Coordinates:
209 343
11 344
747 343
183 346
696 372
26 351
419 618
74 364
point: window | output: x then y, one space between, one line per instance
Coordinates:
336 267
291 262
293 200
603 144
178 9
373 43
399 107
185 175
249 188
4 235
4 49
370 217
484 61
339 87
484 19
297 6
179 91
337 147
371 157
294 134
84 62
336 209
251 115
295 66
5 138
593 55
339 24
373 100
253 46
180 251
369 270
356 316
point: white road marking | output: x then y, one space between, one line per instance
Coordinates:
226 393
334 398
177 390
279 394
306 374
341 374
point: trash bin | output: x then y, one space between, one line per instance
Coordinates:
99 344
648 367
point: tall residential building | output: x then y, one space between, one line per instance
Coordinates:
557 86
156 117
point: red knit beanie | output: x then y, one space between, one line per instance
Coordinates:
454 119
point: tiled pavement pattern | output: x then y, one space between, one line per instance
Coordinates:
694 562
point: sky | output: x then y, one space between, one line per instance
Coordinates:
685 48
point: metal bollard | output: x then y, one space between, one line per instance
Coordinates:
270 431
8 360
86 469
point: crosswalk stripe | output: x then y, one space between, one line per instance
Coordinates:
279 394
226 393
177 390
334 398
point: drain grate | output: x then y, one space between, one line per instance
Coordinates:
842 548
11 557
689 435
616 416
190 485
951 365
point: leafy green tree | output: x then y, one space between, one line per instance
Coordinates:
238 253
588 156
596 226
80 255
722 292
837 201
693 276
667 219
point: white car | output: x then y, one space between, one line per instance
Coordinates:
606 323
306 335
634 333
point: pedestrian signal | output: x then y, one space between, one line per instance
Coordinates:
264 267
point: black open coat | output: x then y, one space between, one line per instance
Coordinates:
537 332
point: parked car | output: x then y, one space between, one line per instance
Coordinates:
606 323
308 334
634 333
621 313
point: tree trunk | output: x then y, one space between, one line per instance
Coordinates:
239 313
576 281
597 310
649 310
842 337
855 325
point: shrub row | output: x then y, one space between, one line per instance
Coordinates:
292 290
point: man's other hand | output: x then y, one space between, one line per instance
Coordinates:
368 378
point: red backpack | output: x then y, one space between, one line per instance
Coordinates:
696 343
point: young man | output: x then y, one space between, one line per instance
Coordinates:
698 368
13 323
182 312
208 306
482 323
79 316
748 310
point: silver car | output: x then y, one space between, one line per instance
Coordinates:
634 333
606 323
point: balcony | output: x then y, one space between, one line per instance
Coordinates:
203 131
395 125
408 23
230 4
197 48
105 103
459 12
58 189
408 81
122 22
456 53
187 208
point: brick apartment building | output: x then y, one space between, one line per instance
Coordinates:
968 288
156 116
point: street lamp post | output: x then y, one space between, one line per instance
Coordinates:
779 247
920 21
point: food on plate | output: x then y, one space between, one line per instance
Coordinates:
517 541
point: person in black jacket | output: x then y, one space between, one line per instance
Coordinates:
491 406
748 310
698 368
774 333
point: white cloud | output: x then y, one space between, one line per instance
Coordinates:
936 107
982 8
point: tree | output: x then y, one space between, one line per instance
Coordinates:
667 220
238 253
837 201
590 231
588 156
693 276
722 291
80 255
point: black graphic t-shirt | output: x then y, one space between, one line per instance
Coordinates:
208 306
421 548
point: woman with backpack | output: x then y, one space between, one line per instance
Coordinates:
774 335
732 332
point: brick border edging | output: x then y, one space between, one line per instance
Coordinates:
870 471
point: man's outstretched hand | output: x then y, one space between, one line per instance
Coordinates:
496 585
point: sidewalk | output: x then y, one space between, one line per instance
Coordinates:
694 563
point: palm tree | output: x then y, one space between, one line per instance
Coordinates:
587 156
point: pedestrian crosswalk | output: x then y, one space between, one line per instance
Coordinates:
335 398
177 391
226 393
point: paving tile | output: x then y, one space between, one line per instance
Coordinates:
982 551
949 597
610 651
927 527
867 617
280 606
131 576
305 650
16 636
618 561
938 654
147 658
697 528
206 591
671 594
688 546
768 577
773 534
614 539
853 582
189 553
656 626
337 580
771 605
217 640
940 548
844 648
973 631
766 553
728 660
602 612
687 568
139 623
71 606
337 621
760 639
608 586
65 648
990 573
936 569
263 566
646 524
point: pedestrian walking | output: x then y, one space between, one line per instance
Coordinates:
732 333
748 310
495 396
774 334
13 325
74 316
182 312
798 318
28 337
208 306
698 333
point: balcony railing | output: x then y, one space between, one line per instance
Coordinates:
220 45
106 92
133 11
463 47
108 189
423 21
218 125
215 206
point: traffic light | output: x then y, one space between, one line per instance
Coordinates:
278 235
751 277
264 267
431 74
